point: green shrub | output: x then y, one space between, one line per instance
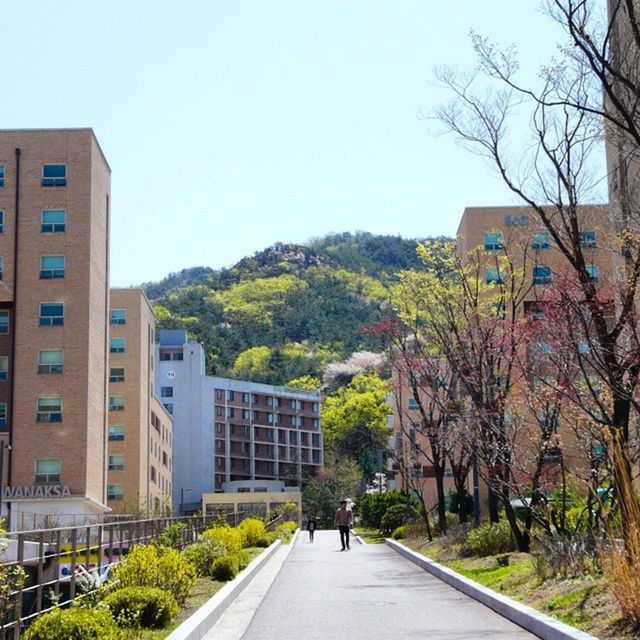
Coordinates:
243 559
372 506
252 530
284 533
142 607
171 536
266 540
397 515
201 554
230 537
490 539
290 525
225 568
154 566
399 532
75 624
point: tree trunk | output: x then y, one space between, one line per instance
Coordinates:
442 500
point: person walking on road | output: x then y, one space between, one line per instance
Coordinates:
344 521
311 527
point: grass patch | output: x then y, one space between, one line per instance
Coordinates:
370 535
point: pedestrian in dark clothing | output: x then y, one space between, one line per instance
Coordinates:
344 521
311 528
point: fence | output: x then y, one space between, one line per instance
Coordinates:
59 562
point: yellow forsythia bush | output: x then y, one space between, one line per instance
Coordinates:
156 566
230 537
253 530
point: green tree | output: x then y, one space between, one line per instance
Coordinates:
308 383
355 416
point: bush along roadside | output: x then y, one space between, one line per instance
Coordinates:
153 582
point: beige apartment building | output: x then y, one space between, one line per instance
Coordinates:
54 248
519 232
140 431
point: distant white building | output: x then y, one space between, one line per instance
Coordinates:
228 431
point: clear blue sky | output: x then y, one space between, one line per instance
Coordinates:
232 124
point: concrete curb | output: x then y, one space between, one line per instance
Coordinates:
528 618
197 625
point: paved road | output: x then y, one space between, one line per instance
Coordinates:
368 593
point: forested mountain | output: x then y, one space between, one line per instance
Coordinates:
288 310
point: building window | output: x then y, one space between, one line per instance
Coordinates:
593 272
1 221
116 462
219 427
493 241
116 374
49 409
51 267
48 471
588 239
246 414
4 367
316 423
53 221
1 175
315 407
54 175
166 392
169 407
540 240
493 276
4 322
50 361
541 275
117 345
152 470
246 398
1 269
230 412
116 403
51 314
117 316
115 492
4 423
219 410
116 433
229 395
516 221
292 404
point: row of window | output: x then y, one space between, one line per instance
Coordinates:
541 275
53 175
271 401
540 240
52 315
244 431
51 221
270 418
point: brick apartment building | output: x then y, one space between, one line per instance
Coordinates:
232 430
140 431
54 248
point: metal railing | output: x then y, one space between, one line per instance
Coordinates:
59 562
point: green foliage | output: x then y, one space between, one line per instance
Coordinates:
307 383
490 539
399 532
230 537
147 607
266 540
155 566
225 568
252 530
397 515
291 525
171 535
355 416
75 624
372 506
321 296
242 558
202 553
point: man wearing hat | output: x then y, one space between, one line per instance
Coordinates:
344 520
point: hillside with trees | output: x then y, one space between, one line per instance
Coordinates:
289 310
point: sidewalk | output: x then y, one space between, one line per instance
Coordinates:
368 593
